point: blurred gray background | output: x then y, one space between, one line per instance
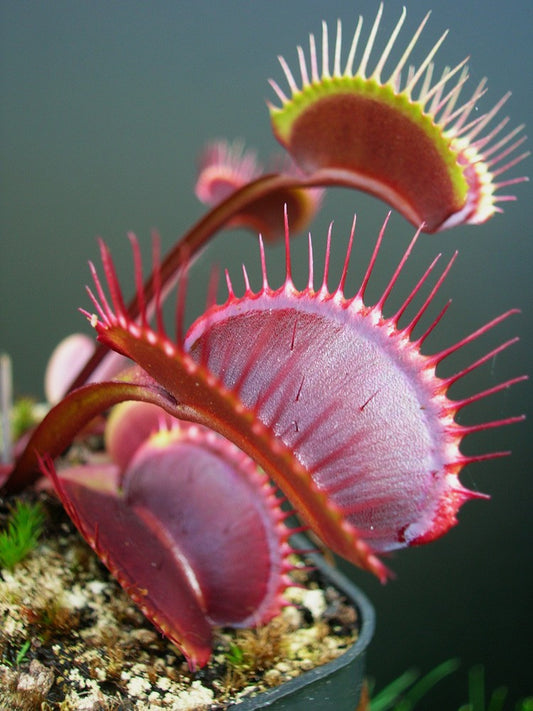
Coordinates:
105 108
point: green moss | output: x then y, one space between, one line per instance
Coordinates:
24 526
23 417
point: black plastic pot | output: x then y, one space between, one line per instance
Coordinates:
336 685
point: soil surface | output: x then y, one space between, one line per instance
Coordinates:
70 637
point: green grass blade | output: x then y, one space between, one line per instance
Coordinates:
427 682
497 699
476 687
387 697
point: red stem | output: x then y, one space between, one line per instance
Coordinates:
192 241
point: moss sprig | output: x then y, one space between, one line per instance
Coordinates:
24 526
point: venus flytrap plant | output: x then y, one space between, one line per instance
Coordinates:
313 388
225 168
393 137
407 143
